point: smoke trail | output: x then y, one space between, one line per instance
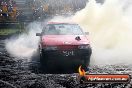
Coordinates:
110 29
24 45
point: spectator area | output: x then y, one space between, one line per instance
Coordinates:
30 10
8 10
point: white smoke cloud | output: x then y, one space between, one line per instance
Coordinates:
24 45
110 29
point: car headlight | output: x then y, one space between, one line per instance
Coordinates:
50 48
84 46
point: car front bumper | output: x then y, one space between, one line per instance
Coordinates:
63 57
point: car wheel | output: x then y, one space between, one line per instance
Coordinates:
43 62
86 63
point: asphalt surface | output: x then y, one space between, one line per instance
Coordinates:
16 74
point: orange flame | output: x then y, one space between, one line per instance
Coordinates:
81 71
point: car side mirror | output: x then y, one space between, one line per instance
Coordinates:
38 34
86 33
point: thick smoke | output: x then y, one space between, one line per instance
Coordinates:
110 29
25 45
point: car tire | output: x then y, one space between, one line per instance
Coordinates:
86 63
43 62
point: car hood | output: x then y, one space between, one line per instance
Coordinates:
64 40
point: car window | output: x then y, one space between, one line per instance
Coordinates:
62 29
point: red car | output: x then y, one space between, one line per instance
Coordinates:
63 46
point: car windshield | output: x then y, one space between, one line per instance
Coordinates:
62 29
